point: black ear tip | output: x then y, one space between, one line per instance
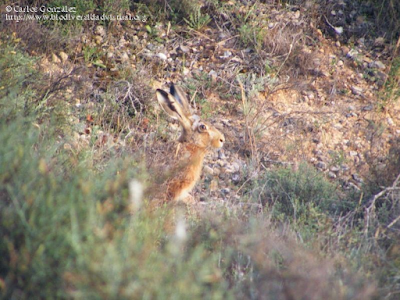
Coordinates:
162 92
172 89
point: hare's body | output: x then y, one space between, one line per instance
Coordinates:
196 139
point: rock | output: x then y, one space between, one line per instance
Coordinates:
213 185
345 50
335 169
226 54
55 58
213 75
345 168
225 191
235 178
63 56
221 163
100 31
332 175
321 165
124 56
151 47
162 56
357 178
353 153
368 108
356 90
377 65
184 49
122 43
98 39
390 121
208 170
379 42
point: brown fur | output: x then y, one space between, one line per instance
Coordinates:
197 138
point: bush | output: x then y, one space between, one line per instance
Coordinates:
293 193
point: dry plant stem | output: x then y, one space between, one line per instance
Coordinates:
250 133
371 204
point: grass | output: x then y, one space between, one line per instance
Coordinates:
71 226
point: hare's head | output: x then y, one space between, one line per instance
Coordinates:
194 130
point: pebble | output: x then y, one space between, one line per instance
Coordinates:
335 169
332 175
55 58
184 49
356 90
162 56
353 153
377 64
368 107
63 56
100 30
321 165
235 178
357 178
208 170
390 121
225 191
98 39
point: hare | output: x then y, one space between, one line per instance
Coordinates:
196 139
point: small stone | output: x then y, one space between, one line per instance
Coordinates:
321 165
63 56
208 170
380 41
213 185
151 47
345 168
368 107
377 64
353 153
100 30
55 58
227 54
235 178
357 178
390 121
356 90
221 163
225 191
124 56
213 75
184 49
162 56
332 175
335 169
98 39
345 50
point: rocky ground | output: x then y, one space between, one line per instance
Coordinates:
314 93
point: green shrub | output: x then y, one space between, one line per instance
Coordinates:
293 193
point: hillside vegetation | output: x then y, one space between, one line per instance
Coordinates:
303 202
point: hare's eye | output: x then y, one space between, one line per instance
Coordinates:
202 127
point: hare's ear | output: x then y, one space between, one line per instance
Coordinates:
180 96
173 108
